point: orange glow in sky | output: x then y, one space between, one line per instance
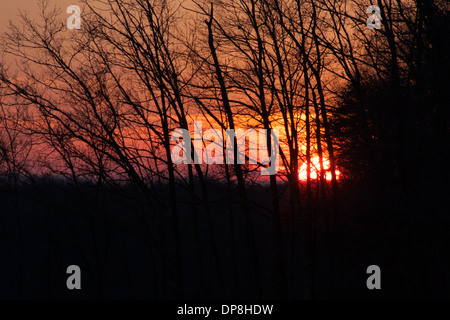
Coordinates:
315 170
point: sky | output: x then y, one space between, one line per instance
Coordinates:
9 9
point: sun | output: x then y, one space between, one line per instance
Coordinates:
315 170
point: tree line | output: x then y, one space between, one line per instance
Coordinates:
99 105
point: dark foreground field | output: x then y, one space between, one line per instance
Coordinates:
126 249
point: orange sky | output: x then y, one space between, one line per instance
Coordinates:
9 8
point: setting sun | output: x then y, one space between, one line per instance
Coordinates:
315 169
